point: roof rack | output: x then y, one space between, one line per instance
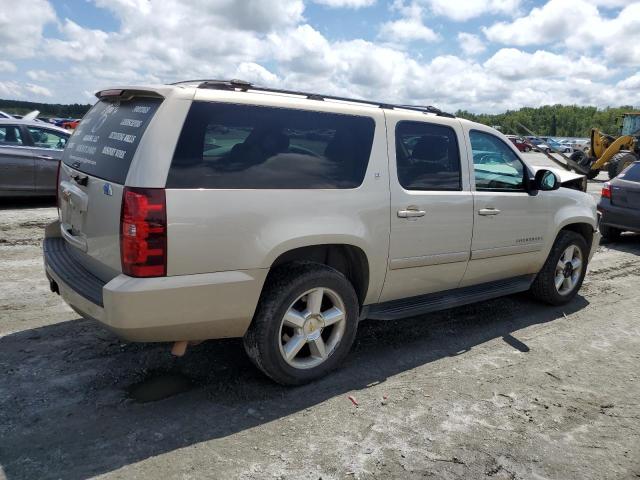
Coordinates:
244 86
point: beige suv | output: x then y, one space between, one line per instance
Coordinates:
215 209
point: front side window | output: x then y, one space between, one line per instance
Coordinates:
43 138
496 166
231 146
427 157
10 136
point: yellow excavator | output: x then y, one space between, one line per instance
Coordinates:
615 153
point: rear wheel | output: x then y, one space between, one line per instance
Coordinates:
304 325
611 234
562 274
619 162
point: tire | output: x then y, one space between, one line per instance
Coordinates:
619 162
544 287
527 149
610 234
270 335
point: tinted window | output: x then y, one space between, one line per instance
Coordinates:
10 135
43 138
250 147
631 173
104 143
496 166
427 157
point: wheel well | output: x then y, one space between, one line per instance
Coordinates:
350 260
583 229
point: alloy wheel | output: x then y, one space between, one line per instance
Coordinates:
568 270
312 328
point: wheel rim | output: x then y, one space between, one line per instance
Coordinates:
568 270
312 328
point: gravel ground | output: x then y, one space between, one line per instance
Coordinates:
504 389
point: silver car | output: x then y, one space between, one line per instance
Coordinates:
30 152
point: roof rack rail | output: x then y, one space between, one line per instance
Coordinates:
244 86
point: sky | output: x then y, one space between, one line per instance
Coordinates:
476 55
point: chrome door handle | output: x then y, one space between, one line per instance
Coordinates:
411 213
44 157
488 211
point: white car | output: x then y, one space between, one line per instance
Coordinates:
216 209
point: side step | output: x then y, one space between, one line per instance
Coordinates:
433 302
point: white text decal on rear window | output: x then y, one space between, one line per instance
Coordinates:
128 122
123 137
114 152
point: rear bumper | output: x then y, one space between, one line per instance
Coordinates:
618 217
186 307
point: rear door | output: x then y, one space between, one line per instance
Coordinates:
47 147
95 166
431 206
16 162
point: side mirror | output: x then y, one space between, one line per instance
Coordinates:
546 180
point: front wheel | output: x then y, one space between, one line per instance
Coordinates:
562 274
304 325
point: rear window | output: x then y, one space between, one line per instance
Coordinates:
230 146
104 143
631 173
427 157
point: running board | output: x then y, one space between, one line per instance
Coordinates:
433 302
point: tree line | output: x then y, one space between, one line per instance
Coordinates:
56 110
554 120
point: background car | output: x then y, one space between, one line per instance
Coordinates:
521 143
556 146
620 203
30 152
538 144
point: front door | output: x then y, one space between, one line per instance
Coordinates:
509 223
431 206
16 162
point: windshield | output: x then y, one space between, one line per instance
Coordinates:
631 125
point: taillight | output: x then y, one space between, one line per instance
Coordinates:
606 191
143 232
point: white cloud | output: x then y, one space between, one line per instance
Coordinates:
21 25
579 26
407 30
20 90
345 3
272 43
467 9
6 66
514 64
470 44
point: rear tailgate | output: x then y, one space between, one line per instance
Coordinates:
94 169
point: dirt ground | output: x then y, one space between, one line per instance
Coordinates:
505 389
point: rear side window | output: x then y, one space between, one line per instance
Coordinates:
10 136
230 146
104 143
631 173
427 157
